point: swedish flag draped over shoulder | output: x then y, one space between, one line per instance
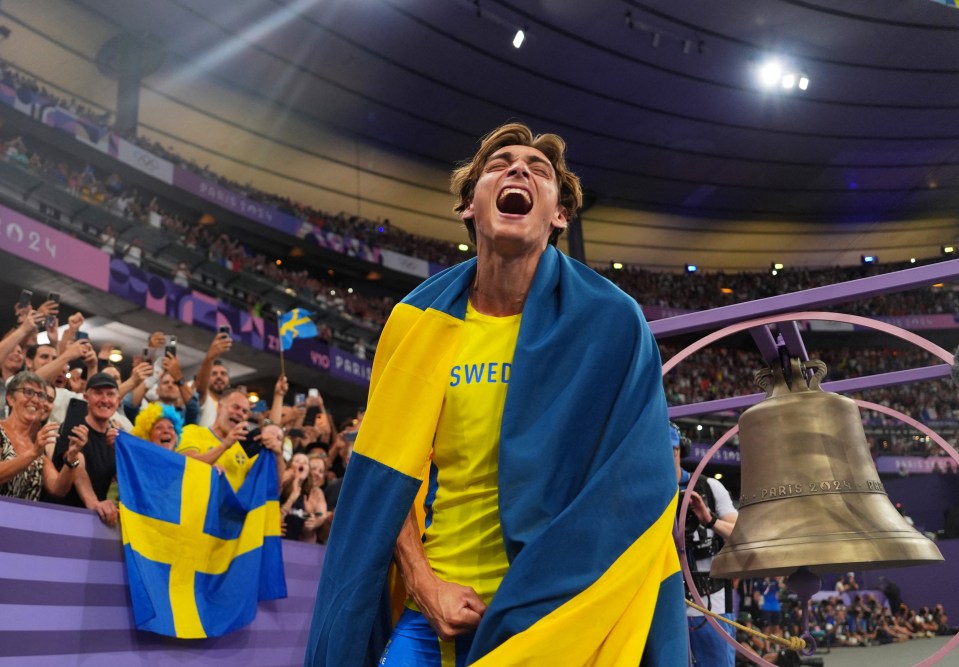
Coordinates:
586 481
198 555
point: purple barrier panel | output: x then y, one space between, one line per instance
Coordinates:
201 309
251 330
924 585
651 312
725 455
62 606
312 353
129 282
919 322
232 201
37 243
351 368
8 94
904 465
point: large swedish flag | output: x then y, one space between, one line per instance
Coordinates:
198 555
586 481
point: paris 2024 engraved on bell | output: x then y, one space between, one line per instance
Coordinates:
811 495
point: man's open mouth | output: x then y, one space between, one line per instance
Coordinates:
515 201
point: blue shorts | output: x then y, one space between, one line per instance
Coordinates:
415 644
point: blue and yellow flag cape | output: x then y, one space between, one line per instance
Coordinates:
587 484
198 555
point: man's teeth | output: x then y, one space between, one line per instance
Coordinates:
514 191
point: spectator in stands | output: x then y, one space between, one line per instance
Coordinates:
891 590
330 487
942 620
25 471
226 443
170 390
772 615
213 378
160 424
181 276
92 483
134 253
847 584
221 443
303 504
12 348
108 240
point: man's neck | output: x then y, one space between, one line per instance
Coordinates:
502 284
100 425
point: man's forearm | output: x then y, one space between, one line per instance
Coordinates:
127 386
209 457
84 487
411 558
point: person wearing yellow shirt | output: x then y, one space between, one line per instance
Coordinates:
521 393
220 444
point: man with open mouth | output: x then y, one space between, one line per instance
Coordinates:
512 462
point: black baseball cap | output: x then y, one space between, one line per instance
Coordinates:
102 380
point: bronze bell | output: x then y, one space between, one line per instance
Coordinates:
811 494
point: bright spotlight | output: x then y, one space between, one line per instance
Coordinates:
519 38
617 266
789 80
770 74
691 268
803 82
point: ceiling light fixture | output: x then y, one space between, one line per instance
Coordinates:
774 74
657 34
519 38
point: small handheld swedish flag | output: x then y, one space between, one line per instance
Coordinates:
297 323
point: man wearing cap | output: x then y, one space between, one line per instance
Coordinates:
709 519
90 487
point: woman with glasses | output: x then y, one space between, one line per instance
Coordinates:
25 468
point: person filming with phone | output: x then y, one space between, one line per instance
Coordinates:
230 440
25 471
91 484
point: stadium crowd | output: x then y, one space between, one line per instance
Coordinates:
849 617
684 291
65 403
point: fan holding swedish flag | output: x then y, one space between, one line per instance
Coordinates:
522 394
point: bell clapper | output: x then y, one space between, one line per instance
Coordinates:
805 583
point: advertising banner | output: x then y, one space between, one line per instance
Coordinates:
37 243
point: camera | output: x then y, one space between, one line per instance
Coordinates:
692 521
